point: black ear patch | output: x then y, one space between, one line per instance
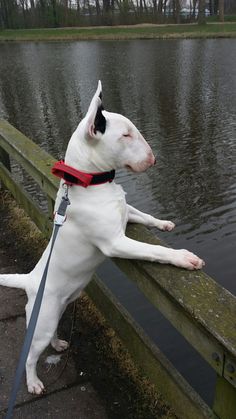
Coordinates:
100 121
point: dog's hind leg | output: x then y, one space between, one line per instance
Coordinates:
45 329
59 345
136 216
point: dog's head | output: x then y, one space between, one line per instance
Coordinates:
106 141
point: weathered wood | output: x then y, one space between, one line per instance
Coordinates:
202 311
5 159
24 199
225 399
51 203
34 159
167 380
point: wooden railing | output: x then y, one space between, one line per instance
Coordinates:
200 309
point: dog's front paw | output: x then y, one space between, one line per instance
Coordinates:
59 345
185 259
36 387
167 225
164 225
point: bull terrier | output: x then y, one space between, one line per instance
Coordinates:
95 225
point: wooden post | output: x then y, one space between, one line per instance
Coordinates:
51 204
224 405
5 160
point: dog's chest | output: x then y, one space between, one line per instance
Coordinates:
120 202
94 206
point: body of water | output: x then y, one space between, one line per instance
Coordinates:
181 94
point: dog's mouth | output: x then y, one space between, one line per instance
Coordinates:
139 168
142 165
133 169
128 167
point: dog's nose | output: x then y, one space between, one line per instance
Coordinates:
152 159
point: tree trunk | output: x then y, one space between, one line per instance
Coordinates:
165 5
221 10
177 11
106 6
160 7
54 13
194 9
78 8
201 12
98 9
23 4
154 2
145 5
141 6
216 3
4 14
211 7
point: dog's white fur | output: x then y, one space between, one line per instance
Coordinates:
95 227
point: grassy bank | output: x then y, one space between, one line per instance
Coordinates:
214 30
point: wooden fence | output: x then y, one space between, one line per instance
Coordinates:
200 309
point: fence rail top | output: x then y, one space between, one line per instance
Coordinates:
206 302
33 158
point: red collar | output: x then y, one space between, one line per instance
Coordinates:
73 176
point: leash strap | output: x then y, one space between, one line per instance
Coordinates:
58 221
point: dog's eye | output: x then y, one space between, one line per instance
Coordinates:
126 135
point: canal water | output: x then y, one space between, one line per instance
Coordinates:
181 94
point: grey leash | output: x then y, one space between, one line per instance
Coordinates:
58 222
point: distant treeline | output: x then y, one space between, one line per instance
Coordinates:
61 13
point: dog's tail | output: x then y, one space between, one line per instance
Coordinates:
14 280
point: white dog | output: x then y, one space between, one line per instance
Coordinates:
95 226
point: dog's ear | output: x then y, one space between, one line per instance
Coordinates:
95 119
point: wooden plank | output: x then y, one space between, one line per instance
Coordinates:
34 159
202 311
167 380
25 201
225 399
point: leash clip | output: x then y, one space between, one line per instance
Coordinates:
60 214
59 219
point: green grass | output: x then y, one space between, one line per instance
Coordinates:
122 32
227 18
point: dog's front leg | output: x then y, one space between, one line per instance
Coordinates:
124 247
136 216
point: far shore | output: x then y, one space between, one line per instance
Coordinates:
123 32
